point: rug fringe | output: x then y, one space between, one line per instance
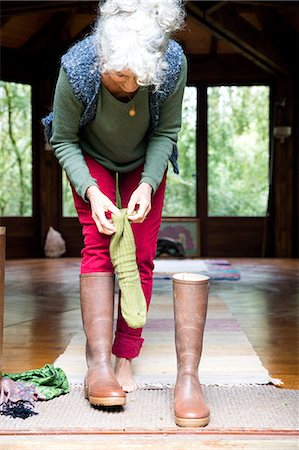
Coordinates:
276 382
152 386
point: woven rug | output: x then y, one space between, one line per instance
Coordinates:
235 384
233 408
216 269
228 357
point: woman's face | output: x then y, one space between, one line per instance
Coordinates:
125 80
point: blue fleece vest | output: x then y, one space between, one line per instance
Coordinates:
82 67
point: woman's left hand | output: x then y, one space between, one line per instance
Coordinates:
140 203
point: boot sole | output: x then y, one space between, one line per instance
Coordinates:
184 422
105 401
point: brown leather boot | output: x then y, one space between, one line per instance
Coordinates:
190 307
97 307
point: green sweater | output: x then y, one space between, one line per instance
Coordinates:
114 139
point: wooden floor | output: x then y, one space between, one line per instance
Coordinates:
42 311
42 314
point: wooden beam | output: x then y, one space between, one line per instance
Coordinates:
268 3
213 6
209 6
47 171
213 45
24 7
260 45
222 69
47 36
51 42
230 27
16 66
202 165
4 20
285 171
282 36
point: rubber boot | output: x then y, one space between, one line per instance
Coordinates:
97 307
190 292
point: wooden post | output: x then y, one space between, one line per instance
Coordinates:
2 270
284 171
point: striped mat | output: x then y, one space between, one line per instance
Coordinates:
216 269
228 357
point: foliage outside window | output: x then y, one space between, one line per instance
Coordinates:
68 208
180 196
15 150
238 150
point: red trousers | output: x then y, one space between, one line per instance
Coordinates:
95 255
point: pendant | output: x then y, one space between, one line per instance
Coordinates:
132 111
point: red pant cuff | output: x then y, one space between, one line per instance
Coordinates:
126 346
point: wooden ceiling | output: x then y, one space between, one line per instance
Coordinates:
36 33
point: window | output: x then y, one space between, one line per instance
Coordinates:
238 150
180 196
15 150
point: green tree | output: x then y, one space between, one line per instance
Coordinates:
238 150
15 150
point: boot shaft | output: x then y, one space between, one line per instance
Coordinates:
190 293
97 310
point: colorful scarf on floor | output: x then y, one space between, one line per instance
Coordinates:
19 391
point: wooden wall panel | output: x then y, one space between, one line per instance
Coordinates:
70 229
226 236
21 235
234 236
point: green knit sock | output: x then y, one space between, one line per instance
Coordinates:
123 257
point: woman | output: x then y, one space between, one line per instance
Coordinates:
117 112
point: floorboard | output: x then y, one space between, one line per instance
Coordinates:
149 442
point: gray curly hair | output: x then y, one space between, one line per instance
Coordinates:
134 34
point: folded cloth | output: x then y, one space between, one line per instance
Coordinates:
49 381
17 399
16 391
123 257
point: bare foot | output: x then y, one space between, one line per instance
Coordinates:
124 374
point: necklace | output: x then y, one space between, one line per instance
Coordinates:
132 108
132 111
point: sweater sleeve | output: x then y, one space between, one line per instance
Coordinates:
65 137
161 144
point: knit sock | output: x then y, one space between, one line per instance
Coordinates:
123 257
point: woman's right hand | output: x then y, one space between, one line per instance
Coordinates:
100 204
